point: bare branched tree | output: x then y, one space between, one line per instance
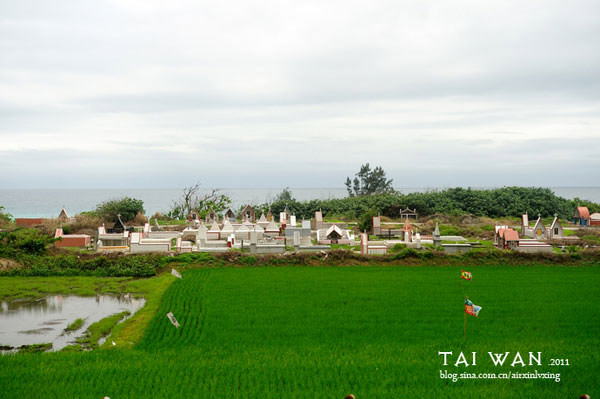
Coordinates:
190 202
189 197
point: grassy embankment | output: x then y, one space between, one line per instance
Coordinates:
295 332
76 325
152 265
97 330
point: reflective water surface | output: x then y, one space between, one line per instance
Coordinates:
26 322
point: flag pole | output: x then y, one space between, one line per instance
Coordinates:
465 325
465 334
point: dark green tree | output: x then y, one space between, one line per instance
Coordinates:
366 220
126 207
368 182
285 196
281 200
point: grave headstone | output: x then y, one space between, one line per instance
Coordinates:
376 225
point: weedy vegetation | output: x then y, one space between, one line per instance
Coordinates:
100 329
76 325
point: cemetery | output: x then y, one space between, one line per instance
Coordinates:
288 227
245 231
269 234
221 233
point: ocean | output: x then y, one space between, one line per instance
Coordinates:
49 202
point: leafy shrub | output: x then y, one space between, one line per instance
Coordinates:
248 260
398 248
23 241
127 207
366 220
5 218
406 253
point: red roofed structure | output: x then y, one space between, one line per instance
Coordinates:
510 239
498 233
582 216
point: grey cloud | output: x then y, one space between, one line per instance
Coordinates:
268 93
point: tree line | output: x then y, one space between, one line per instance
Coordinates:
494 203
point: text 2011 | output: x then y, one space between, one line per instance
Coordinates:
559 362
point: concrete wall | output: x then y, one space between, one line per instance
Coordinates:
188 235
113 249
534 249
289 232
29 222
243 235
113 240
138 248
213 249
73 242
267 249
456 248
214 244
211 235
163 234
340 242
312 248
377 250
528 232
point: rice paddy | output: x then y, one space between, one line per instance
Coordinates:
295 332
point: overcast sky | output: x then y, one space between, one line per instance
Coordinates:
145 93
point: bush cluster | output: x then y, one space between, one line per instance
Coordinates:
127 207
494 203
5 217
23 242
101 266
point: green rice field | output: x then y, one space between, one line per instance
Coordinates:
325 332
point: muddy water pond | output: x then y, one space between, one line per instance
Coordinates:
28 322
